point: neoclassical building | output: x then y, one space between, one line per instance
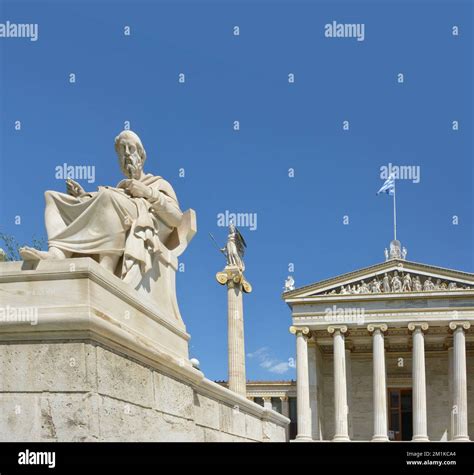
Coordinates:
385 353
279 396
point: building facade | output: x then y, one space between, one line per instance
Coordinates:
385 353
279 396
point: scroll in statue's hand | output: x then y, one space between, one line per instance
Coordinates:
74 189
136 188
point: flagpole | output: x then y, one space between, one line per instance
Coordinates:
394 211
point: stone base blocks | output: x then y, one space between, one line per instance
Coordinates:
86 358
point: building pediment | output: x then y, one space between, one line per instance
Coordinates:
391 277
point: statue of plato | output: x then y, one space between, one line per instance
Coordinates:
125 228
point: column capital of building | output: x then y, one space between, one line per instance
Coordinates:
284 398
296 330
465 325
336 329
423 326
267 398
232 276
372 327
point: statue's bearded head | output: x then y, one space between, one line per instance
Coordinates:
131 154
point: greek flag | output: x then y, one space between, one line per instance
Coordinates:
388 187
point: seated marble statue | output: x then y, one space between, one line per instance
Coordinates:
124 228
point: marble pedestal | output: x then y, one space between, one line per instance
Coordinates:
87 358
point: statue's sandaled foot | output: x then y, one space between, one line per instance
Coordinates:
32 254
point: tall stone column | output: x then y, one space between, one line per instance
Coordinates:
267 402
459 384
235 337
302 384
320 390
340 384
285 406
232 277
285 410
348 363
379 383
313 390
450 390
420 430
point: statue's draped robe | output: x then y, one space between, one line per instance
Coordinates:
232 253
110 222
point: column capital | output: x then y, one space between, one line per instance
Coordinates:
335 329
371 327
267 398
465 325
423 326
233 277
302 330
284 398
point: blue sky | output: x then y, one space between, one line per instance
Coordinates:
299 126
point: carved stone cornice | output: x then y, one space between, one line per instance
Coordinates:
365 348
269 394
439 330
435 346
319 334
398 347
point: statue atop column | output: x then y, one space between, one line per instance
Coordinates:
234 249
135 230
232 276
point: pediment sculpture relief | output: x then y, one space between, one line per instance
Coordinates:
395 282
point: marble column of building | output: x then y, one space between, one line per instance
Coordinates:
348 363
341 429
379 382
285 410
450 388
285 406
302 384
236 348
320 390
420 426
459 383
313 390
267 402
